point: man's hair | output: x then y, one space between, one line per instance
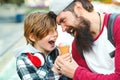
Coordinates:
85 3
39 24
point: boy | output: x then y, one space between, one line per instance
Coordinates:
36 59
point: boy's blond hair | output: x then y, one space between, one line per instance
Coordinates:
39 24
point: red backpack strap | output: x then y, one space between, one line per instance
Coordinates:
105 23
110 27
109 22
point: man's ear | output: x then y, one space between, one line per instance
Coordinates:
32 37
78 8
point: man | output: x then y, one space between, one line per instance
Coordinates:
91 48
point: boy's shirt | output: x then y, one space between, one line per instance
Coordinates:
27 71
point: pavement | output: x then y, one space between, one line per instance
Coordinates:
11 37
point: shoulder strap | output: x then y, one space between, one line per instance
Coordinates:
110 29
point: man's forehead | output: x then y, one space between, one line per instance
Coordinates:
60 17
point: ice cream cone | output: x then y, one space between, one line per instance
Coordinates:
64 49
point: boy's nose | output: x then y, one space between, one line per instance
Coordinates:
56 34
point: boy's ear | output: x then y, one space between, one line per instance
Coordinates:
31 37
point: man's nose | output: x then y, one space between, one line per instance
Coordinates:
63 27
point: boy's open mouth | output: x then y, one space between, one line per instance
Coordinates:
52 42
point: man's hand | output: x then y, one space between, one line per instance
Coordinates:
67 65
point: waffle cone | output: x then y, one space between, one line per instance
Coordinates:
64 49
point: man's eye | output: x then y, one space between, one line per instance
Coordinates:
62 20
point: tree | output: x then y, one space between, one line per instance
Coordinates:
18 2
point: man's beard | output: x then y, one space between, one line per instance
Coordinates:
83 36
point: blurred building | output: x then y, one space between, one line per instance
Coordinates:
37 3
